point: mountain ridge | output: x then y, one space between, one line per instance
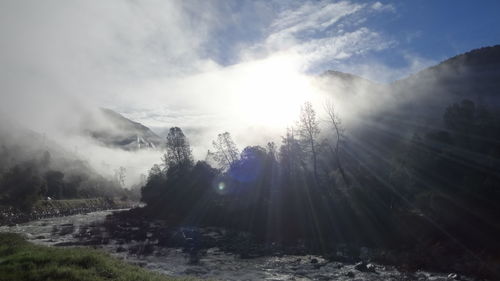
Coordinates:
489 55
112 129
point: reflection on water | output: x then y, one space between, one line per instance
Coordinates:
213 264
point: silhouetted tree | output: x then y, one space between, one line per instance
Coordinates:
308 129
196 198
290 156
120 175
336 125
178 149
55 184
154 185
225 151
73 184
21 186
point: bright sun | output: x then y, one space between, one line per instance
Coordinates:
271 93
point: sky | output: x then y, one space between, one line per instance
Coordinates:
223 65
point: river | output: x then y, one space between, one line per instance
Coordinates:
214 264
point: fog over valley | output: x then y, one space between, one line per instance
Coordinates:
158 69
249 140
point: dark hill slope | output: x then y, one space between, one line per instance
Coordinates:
473 75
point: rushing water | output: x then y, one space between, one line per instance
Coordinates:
214 264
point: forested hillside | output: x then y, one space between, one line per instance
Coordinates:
34 167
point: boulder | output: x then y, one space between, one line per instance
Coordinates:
370 267
364 267
361 266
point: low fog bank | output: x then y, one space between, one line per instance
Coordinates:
70 128
107 160
168 64
65 136
255 100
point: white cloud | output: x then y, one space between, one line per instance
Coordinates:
151 56
383 7
153 60
311 16
322 31
343 46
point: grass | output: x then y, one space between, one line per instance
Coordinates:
21 260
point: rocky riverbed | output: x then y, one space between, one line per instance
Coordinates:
207 253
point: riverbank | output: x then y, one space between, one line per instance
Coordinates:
21 260
57 208
147 237
207 253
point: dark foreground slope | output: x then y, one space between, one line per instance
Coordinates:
20 260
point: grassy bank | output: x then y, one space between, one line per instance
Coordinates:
21 260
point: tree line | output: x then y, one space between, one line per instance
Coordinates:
24 183
373 188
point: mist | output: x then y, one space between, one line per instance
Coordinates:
155 63
250 139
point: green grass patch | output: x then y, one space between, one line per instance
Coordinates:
21 260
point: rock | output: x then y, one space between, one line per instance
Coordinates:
362 266
120 249
66 229
301 272
314 260
453 276
350 274
420 277
318 265
370 267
